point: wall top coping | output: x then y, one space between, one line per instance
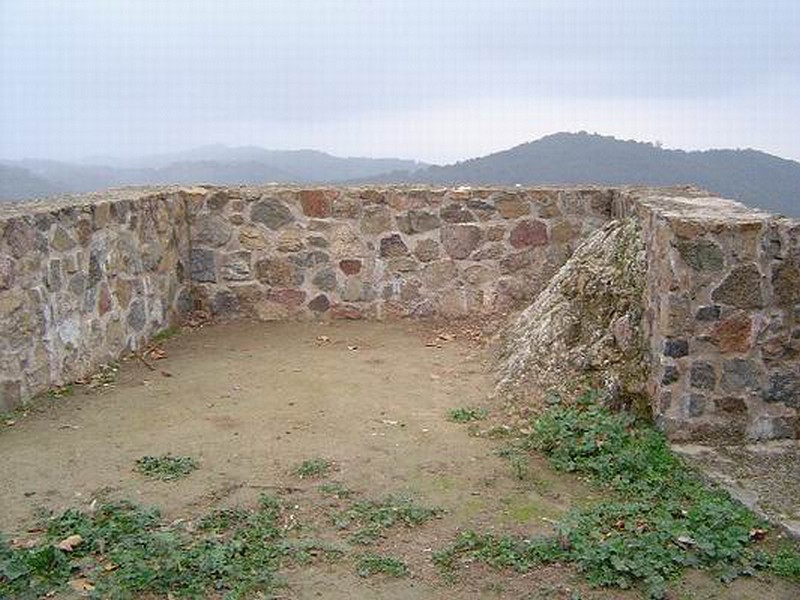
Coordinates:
709 210
679 202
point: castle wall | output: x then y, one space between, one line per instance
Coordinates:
81 282
84 280
722 302
376 253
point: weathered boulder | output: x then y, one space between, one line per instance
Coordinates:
565 341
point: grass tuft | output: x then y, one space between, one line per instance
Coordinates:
377 564
335 489
466 414
370 518
166 467
313 467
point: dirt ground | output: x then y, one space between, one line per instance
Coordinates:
250 401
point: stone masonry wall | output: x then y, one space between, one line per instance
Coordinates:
82 281
274 253
722 303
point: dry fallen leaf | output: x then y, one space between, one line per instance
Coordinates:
22 544
156 353
81 585
69 543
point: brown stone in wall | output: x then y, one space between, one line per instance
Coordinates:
286 296
103 300
495 233
427 250
490 252
211 230
61 240
320 303
417 221
217 200
459 241
440 274
529 233
271 212
393 245
316 203
701 255
376 219
290 240
512 207
733 334
786 284
346 207
20 237
83 230
250 237
278 272
456 213
345 311
562 232
350 266
101 215
741 288
402 264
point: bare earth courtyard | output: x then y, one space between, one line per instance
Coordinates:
251 401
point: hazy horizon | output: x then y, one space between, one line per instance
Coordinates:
108 159
435 82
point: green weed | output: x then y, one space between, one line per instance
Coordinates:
313 467
499 551
335 489
166 467
370 518
785 562
127 551
661 519
466 414
375 564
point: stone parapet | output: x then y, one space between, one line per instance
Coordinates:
722 300
85 279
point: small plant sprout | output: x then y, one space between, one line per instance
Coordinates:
466 414
166 467
313 467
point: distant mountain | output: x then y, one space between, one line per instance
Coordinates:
216 164
17 183
299 165
755 178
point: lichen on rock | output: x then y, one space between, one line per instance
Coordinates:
583 331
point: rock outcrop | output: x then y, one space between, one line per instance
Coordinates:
584 330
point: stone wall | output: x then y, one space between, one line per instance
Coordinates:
274 253
722 301
84 280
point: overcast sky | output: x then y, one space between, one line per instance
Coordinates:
437 80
